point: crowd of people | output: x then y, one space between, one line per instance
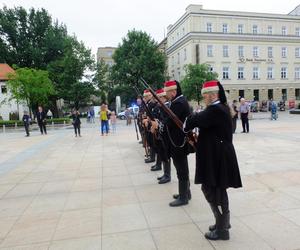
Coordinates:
108 120
171 131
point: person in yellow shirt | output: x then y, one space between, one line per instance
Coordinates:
104 119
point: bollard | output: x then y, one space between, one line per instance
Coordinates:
16 125
64 123
3 128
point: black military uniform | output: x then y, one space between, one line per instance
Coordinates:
178 145
216 163
162 141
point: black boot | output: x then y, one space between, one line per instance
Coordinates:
157 166
151 157
175 196
167 173
183 195
221 231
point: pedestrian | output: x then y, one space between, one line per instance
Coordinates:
216 163
76 122
49 114
104 119
113 121
273 110
128 116
92 115
26 120
178 144
41 120
244 112
234 115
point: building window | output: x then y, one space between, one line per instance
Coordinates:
297 32
283 52
270 52
297 73
256 94
270 73
254 29
3 89
183 31
270 30
209 50
255 73
197 53
241 93
184 53
109 53
178 58
240 72
284 94
240 28
283 30
297 52
225 28
270 94
297 94
225 72
283 73
255 52
209 27
225 51
241 51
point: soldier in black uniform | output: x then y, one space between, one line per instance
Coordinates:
178 145
161 138
216 163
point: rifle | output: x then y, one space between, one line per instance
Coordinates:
175 119
136 131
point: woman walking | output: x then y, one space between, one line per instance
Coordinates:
76 122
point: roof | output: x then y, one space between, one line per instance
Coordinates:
5 69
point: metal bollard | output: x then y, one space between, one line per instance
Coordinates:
3 128
16 125
64 123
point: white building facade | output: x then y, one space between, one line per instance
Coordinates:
256 55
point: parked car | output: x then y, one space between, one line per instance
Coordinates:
133 111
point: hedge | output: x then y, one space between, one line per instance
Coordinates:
12 123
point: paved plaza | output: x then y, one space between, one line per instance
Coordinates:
94 192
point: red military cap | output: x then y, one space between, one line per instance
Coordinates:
210 86
146 92
160 92
170 85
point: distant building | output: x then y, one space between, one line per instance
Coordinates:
8 105
256 55
106 54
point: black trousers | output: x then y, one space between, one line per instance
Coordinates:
245 122
26 125
42 126
216 196
234 124
76 128
182 167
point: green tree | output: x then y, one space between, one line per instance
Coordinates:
195 76
30 38
137 56
70 72
30 85
101 79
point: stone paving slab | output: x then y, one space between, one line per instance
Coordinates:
95 192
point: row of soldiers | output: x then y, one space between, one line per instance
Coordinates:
216 163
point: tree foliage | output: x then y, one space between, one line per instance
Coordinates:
138 56
101 79
30 39
30 85
195 76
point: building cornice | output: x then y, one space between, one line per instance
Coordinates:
231 37
220 13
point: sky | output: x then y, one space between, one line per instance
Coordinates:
100 23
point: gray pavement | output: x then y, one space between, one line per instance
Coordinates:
95 192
